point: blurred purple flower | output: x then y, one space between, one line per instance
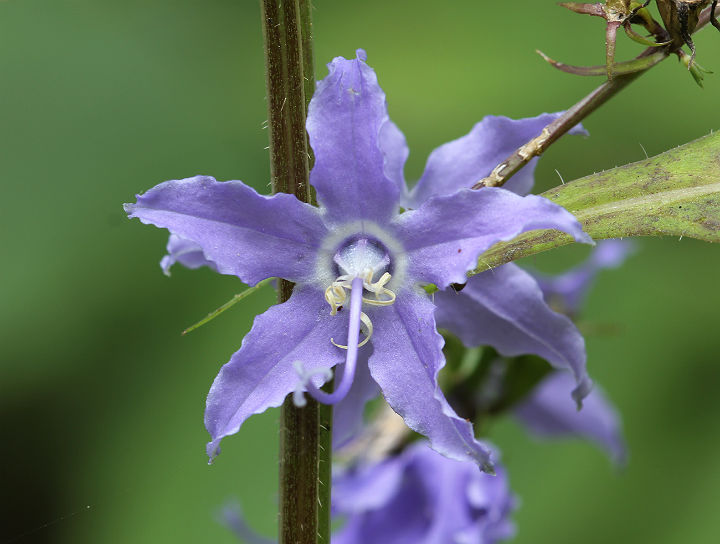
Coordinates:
420 497
504 307
356 253
568 290
186 252
416 497
545 414
461 163
232 517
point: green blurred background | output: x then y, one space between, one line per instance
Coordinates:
101 400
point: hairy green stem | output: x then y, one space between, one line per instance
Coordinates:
306 37
286 97
574 115
290 82
325 411
325 415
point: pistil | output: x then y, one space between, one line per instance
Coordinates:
356 262
356 298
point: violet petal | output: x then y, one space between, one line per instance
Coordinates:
544 414
463 162
405 363
445 236
570 288
345 119
348 413
261 374
245 234
233 518
395 152
186 252
426 499
505 308
367 487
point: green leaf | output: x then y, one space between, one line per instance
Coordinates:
676 193
229 304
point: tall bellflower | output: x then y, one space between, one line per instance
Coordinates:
420 497
358 265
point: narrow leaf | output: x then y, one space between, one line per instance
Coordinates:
676 193
237 298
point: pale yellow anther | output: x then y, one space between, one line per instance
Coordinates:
379 289
336 295
364 320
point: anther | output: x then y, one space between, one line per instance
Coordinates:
364 320
336 295
379 289
356 290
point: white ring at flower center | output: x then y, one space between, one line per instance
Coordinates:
325 266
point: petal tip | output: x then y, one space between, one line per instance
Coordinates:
580 130
488 468
166 263
584 238
213 450
582 390
361 55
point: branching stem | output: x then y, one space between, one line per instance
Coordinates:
574 115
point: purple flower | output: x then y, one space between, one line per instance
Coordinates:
503 307
544 414
416 497
185 252
461 163
568 290
356 254
232 517
420 497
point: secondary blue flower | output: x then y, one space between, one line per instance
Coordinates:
420 497
185 252
357 254
568 290
545 415
416 497
461 163
503 307
543 412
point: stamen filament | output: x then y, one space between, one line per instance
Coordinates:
365 320
379 289
356 291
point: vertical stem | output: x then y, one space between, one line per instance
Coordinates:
325 413
286 97
306 40
290 81
306 37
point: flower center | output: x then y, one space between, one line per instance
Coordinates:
361 258
358 255
363 267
